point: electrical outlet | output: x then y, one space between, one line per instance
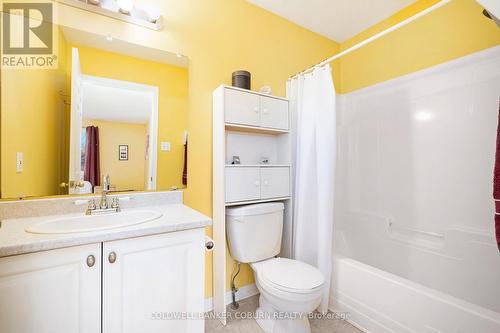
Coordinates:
19 162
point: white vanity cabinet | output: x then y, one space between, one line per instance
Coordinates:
148 281
245 108
52 291
246 183
145 282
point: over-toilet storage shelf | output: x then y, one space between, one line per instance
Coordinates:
254 129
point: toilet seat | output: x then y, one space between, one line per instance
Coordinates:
289 275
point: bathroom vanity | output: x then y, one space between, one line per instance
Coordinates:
146 277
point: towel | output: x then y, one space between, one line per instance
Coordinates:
185 168
496 182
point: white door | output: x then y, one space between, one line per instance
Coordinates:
75 173
274 113
275 182
148 282
242 108
52 291
242 183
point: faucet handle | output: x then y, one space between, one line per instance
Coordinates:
115 203
91 207
92 204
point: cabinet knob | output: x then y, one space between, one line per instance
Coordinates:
256 109
265 111
256 183
90 260
112 257
266 183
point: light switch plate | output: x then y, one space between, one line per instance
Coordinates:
19 162
165 146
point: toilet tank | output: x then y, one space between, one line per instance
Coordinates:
254 231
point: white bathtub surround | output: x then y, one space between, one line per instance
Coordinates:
414 215
312 101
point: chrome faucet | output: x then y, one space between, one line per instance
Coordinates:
104 205
105 190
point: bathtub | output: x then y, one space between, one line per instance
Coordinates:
390 279
413 231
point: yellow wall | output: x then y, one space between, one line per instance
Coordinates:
172 82
125 175
32 118
455 30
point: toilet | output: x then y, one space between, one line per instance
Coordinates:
289 289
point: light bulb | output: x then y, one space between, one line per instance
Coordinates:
153 13
125 6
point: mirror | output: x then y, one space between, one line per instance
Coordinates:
109 108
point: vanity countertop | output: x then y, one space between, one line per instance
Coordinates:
14 240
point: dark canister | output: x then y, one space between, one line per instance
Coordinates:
241 79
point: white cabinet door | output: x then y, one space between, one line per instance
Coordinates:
242 108
274 113
150 283
51 291
242 183
275 182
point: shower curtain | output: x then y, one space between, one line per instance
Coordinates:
312 102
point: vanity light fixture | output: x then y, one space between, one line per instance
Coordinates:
147 16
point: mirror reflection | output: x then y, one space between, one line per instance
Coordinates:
110 109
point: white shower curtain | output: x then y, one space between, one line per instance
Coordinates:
312 101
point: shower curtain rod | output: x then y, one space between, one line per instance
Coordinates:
375 37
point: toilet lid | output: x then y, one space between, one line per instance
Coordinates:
292 274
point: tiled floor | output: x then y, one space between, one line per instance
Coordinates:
250 326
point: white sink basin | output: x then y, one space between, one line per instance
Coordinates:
86 223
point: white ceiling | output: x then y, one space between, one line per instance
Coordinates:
112 102
107 43
335 19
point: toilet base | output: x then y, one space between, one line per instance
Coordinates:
274 321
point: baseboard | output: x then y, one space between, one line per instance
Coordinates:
244 292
